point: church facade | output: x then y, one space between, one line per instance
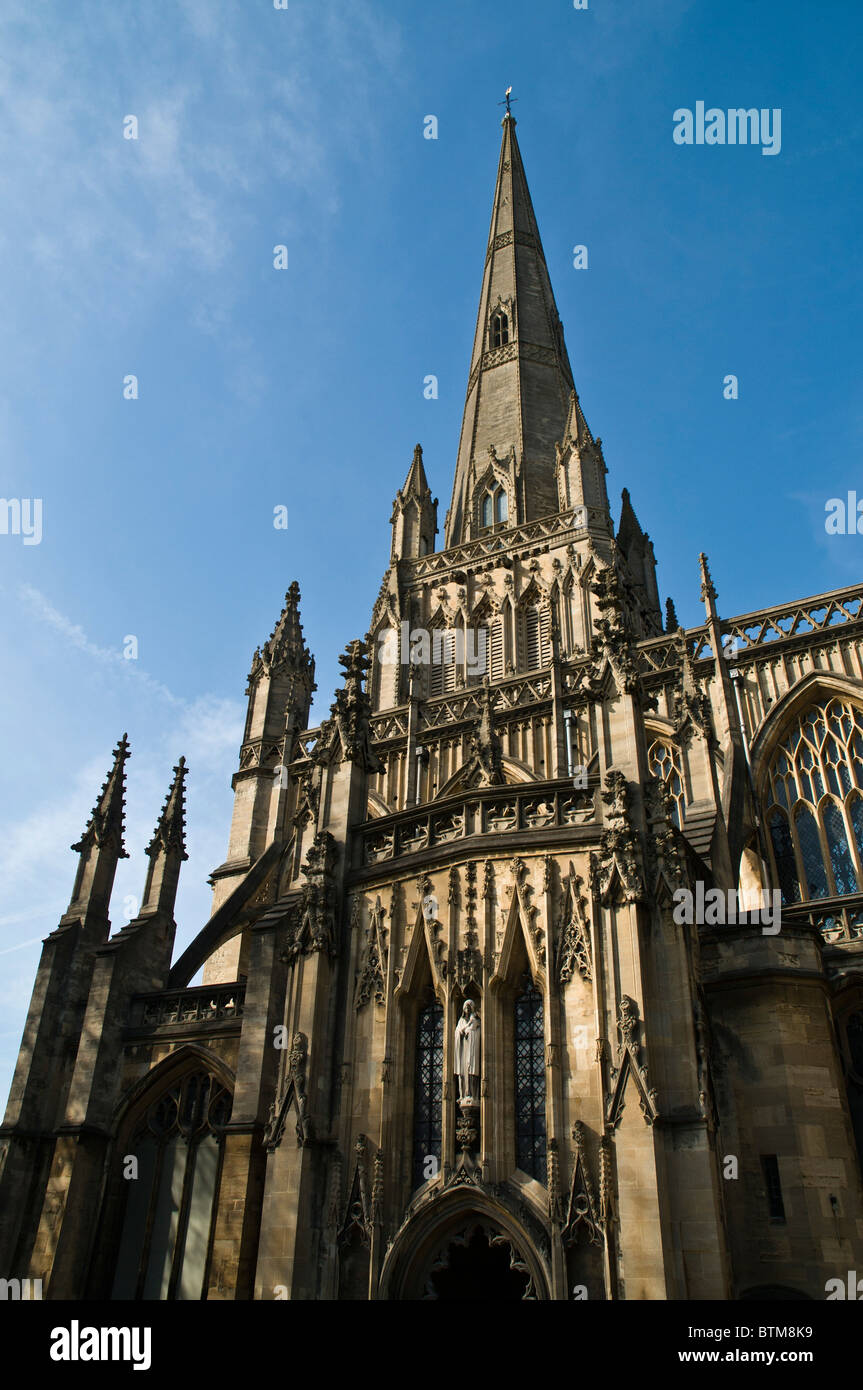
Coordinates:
536 969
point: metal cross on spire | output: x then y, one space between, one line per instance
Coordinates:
508 98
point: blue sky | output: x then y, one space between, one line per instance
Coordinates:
303 387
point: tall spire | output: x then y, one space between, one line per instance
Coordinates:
167 849
101 844
105 826
170 832
520 379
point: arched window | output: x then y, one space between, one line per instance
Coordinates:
442 672
499 330
783 853
530 1139
814 809
534 634
165 1243
493 507
663 761
428 1093
494 649
386 668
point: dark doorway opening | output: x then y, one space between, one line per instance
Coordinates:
476 1270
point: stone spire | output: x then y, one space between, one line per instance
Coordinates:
167 849
414 518
520 381
285 646
105 826
170 832
101 844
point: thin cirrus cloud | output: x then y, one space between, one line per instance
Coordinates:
37 866
84 204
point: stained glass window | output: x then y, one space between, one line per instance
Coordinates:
783 853
663 760
428 1092
530 1082
814 776
165 1242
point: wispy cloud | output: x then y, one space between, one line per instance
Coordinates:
40 608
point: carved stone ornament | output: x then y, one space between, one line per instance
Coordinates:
312 924
373 967
523 890
485 761
629 1064
691 707
583 1215
359 1215
573 948
612 647
616 868
293 1092
348 728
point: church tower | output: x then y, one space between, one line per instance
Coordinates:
465 1020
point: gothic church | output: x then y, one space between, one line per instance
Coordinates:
451 1036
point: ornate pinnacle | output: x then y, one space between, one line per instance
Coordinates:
285 645
671 623
708 593
170 832
105 826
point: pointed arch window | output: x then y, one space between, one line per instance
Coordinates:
442 672
783 853
164 1248
499 329
495 649
428 1093
534 633
664 761
530 1132
813 803
493 507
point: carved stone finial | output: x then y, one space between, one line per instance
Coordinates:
708 592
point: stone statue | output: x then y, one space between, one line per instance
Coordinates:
467 1054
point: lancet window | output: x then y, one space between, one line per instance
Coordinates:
529 1040
428 1093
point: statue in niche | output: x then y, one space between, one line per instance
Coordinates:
467 1054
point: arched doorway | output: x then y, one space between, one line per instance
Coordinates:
465 1246
476 1266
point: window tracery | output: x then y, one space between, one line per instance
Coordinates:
814 807
178 1142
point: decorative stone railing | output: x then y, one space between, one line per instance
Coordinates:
203 1004
824 612
838 919
497 543
492 811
